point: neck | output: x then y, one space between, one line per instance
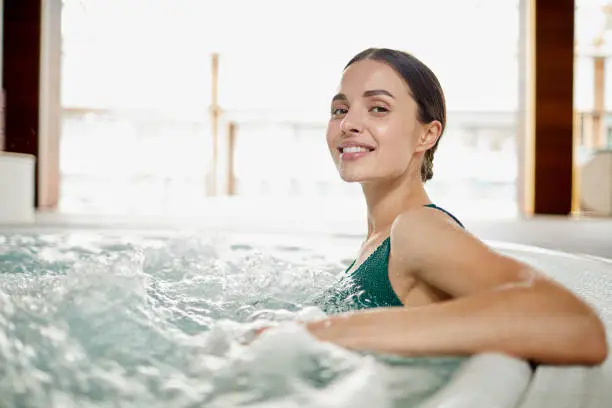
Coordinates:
386 200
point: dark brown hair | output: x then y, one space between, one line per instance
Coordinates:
425 87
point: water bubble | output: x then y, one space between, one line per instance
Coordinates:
88 320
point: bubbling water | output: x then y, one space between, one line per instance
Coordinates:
88 320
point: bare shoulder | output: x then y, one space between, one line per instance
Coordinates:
432 246
424 220
421 231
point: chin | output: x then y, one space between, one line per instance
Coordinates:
353 178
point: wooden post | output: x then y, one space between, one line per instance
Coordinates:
50 105
231 146
31 59
215 113
525 117
546 108
599 78
21 21
2 97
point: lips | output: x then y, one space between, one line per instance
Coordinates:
354 151
355 148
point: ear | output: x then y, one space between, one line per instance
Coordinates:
429 136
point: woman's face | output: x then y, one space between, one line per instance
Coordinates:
373 132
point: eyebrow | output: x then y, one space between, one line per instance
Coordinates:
366 94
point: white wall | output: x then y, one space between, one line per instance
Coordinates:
16 188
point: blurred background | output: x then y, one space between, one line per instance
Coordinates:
150 84
174 108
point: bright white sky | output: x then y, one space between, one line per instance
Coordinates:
279 54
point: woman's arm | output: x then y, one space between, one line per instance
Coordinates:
528 323
499 304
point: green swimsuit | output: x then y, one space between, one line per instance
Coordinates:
369 285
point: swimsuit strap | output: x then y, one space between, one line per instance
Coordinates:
446 212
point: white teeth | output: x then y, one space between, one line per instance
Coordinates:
354 149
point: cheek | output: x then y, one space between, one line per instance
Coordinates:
395 137
411 142
398 141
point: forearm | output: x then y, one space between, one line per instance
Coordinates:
521 321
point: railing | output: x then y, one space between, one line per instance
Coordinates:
132 161
161 162
593 130
476 135
140 155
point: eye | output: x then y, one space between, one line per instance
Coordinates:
379 109
339 111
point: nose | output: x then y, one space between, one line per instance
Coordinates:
351 124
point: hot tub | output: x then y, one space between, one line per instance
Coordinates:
161 319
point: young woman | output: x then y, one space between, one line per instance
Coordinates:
424 285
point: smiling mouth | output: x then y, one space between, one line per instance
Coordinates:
355 149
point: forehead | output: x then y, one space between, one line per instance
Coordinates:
367 74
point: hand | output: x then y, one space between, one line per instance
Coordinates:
261 330
319 328
316 328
